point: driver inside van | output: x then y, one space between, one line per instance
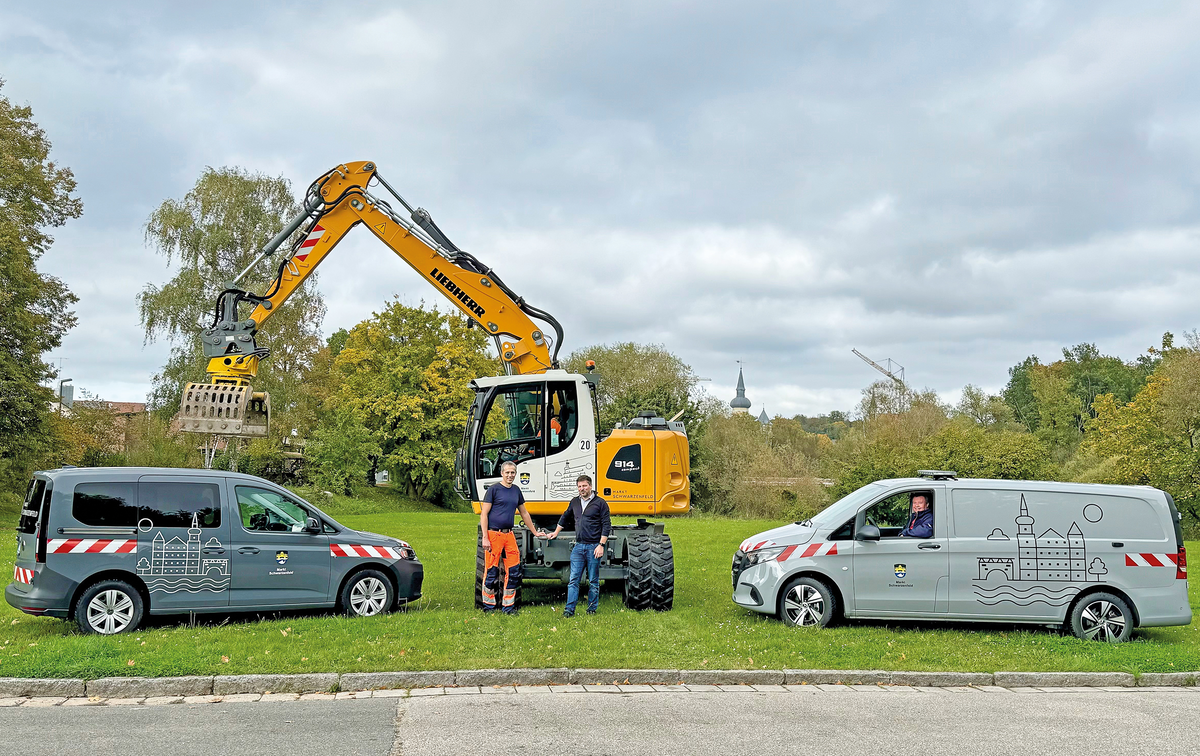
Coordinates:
920 522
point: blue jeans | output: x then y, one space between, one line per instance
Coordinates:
583 554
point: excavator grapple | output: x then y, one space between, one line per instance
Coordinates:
224 409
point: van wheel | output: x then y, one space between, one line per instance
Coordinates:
808 602
109 607
1102 617
367 594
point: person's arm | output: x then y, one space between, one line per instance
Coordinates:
528 520
605 526
485 506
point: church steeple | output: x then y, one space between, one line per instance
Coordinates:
740 403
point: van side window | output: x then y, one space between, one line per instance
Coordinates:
890 515
173 505
262 510
108 505
32 506
844 533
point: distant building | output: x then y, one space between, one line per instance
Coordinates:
762 417
740 404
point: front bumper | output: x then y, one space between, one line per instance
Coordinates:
410 574
754 586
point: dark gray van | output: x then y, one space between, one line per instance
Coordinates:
106 546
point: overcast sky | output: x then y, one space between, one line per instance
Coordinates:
953 185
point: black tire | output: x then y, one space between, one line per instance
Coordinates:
808 602
367 594
108 608
638 579
662 573
479 568
1102 617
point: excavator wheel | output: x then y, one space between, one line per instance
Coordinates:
662 572
638 572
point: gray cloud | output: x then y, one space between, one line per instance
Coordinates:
953 185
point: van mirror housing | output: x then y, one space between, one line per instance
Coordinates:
314 526
867 532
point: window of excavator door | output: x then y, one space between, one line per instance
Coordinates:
562 416
512 428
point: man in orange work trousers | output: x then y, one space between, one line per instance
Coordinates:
500 553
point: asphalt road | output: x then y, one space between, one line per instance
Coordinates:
927 722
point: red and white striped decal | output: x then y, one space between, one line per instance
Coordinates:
748 546
306 246
811 550
91 546
359 550
1150 560
22 575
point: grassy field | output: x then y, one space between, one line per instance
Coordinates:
443 631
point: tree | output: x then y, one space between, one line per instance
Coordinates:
1019 396
974 452
341 451
1060 411
210 236
1153 439
405 374
639 377
986 411
35 196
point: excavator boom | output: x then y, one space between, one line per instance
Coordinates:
334 204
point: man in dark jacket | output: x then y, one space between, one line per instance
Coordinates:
588 515
920 522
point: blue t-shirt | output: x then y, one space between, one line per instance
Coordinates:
504 503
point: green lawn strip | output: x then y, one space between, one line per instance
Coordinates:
444 631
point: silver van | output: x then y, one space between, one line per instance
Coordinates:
106 546
1098 560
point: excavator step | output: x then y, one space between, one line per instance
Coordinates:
224 409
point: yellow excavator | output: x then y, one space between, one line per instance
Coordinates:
536 415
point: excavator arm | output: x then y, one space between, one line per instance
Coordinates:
334 204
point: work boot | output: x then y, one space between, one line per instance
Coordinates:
568 615
511 611
591 611
488 609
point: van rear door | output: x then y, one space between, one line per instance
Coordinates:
31 532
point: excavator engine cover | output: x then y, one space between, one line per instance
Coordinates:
224 409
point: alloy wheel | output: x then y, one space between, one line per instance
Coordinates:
1103 621
804 605
109 612
368 596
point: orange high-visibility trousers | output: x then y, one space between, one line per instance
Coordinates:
502 569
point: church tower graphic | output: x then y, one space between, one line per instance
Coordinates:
1027 554
183 558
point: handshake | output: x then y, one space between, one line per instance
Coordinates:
546 534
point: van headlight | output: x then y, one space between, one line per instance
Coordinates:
763 555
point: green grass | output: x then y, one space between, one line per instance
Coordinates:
705 630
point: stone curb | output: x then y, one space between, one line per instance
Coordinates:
1064 679
234 684
149 687
226 685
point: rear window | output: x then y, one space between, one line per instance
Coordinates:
32 506
175 505
110 505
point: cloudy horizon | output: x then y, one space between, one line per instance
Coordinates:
955 186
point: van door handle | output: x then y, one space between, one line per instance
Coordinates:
929 545
213 551
247 550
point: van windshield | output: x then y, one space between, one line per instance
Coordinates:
32 506
838 511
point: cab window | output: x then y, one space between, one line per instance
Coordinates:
892 514
512 429
265 511
563 416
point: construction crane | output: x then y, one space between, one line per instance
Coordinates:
894 370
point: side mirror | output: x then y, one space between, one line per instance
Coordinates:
867 532
313 525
